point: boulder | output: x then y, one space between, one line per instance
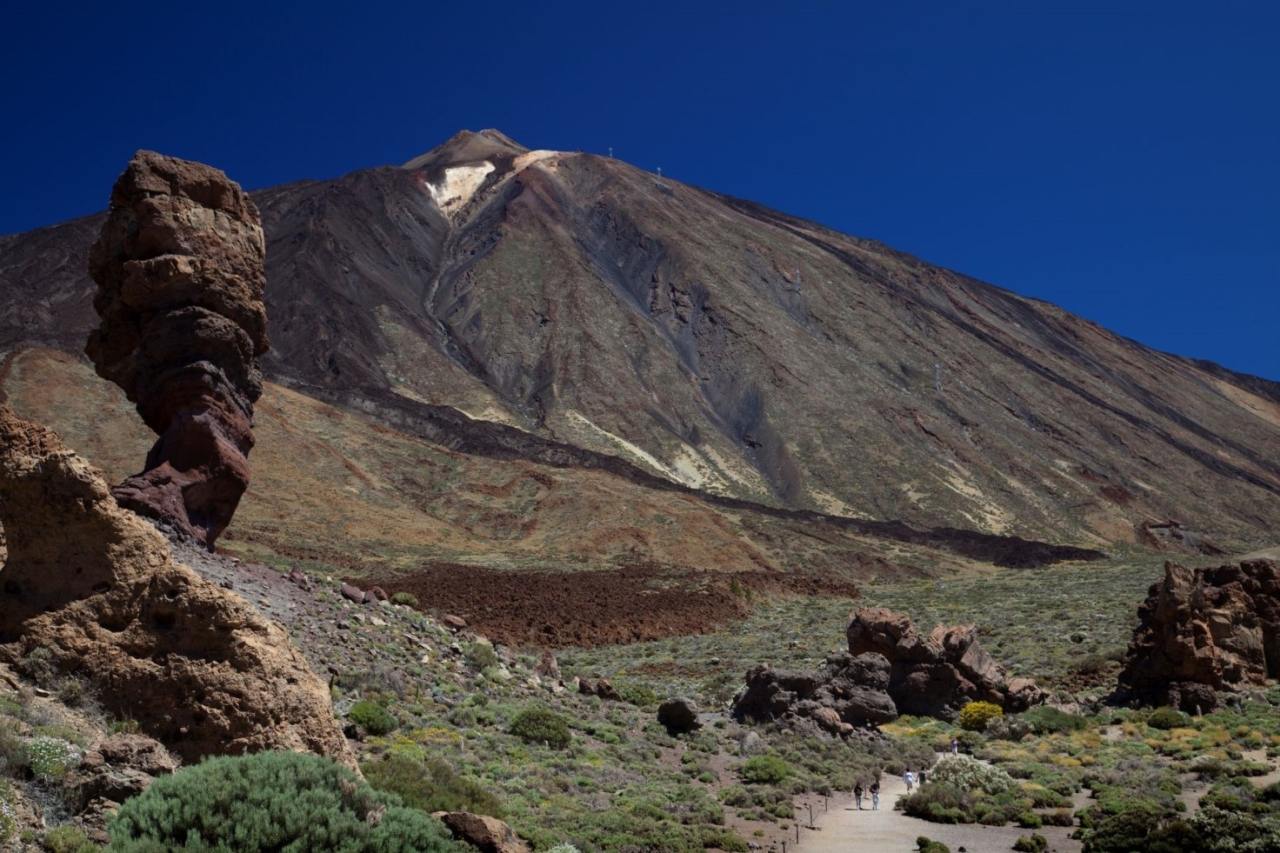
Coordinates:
117 768
847 691
679 716
1202 632
180 271
352 593
548 667
98 589
487 834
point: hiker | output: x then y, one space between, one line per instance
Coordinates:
857 794
875 795
910 779
955 746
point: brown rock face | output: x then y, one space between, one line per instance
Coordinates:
97 587
180 272
1203 631
487 834
936 675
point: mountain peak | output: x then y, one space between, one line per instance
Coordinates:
468 146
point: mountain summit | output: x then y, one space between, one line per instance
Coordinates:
730 350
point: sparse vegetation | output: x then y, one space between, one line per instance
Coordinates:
537 724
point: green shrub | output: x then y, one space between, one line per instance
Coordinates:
974 716
430 785
537 724
1166 718
1046 720
68 839
925 844
372 717
764 770
1033 843
8 819
481 655
405 599
640 695
939 802
272 801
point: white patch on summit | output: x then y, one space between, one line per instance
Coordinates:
530 157
458 185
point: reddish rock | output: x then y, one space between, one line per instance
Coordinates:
457 623
374 595
548 667
352 593
487 834
600 687
180 271
1204 631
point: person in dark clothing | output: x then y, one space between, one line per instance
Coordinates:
875 795
857 794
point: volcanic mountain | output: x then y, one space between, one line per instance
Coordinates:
526 356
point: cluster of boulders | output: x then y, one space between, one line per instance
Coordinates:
375 595
889 669
180 271
1202 633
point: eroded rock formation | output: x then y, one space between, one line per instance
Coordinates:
889 669
1204 631
98 589
180 272
936 674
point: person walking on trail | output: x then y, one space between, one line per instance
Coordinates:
955 746
910 779
857 794
875 795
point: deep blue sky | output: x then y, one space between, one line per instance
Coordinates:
1123 164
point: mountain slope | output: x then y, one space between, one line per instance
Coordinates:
723 346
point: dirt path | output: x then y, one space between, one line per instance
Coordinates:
844 829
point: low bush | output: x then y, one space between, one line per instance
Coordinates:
271 801
1045 720
430 785
1166 718
405 599
924 844
974 716
939 802
372 717
1033 843
537 724
968 774
764 770
68 839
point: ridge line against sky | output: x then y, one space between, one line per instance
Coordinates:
1119 163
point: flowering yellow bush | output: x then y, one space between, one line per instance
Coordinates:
974 716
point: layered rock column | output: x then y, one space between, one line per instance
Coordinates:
180 272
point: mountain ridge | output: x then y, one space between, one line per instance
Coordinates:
725 346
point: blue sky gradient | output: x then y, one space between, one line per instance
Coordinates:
1120 159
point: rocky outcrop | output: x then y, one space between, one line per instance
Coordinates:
846 694
1202 632
486 834
889 669
97 588
679 716
180 271
936 674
